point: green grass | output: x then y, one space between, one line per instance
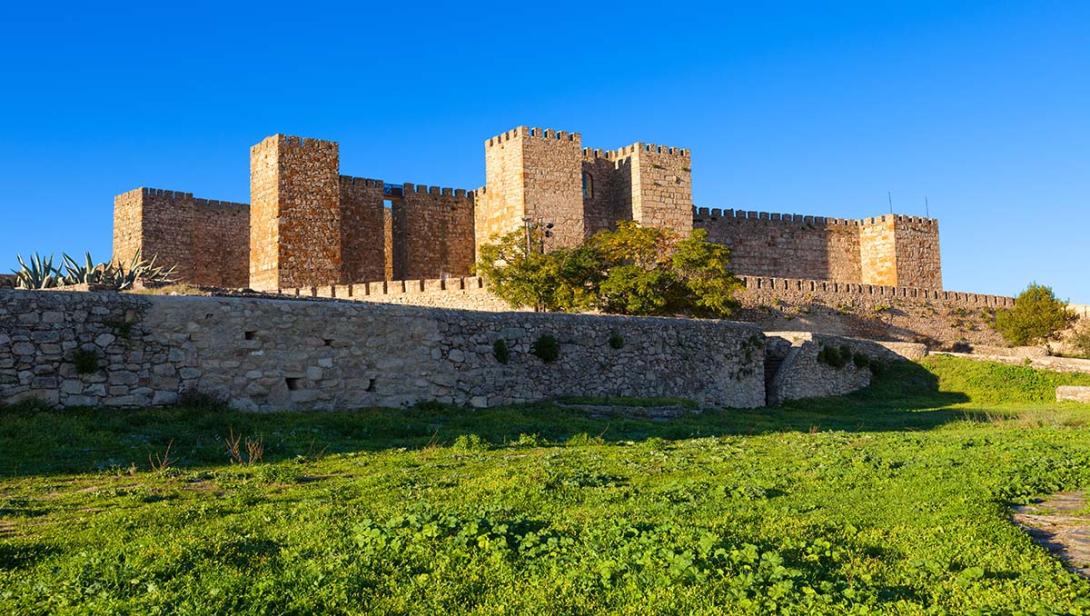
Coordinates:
893 500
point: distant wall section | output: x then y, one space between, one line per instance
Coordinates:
206 241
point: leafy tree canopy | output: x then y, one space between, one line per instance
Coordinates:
1037 316
632 270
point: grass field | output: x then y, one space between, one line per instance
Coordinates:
894 500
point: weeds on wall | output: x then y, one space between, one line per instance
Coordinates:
616 340
86 361
546 348
500 351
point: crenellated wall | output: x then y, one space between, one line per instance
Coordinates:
310 226
363 229
764 244
889 250
206 241
432 233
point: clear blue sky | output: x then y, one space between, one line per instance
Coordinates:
813 108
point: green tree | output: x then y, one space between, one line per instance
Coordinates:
631 270
1037 316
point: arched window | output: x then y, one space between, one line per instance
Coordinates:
588 185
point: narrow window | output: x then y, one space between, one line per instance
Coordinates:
588 185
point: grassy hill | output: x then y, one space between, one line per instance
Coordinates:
893 500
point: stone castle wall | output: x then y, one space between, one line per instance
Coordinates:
363 229
939 319
206 241
887 250
431 233
281 354
309 226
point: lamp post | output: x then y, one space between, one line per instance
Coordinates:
529 224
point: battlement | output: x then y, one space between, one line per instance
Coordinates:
438 191
547 134
178 195
296 143
706 215
165 194
370 291
703 214
359 183
817 288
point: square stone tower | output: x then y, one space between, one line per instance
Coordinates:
900 251
295 218
536 173
652 185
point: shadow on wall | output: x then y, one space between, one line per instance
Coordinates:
841 322
38 441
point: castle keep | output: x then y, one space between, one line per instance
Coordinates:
308 225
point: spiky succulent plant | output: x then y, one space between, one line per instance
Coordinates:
38 274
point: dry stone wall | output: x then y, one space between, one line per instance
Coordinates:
803 374
279 354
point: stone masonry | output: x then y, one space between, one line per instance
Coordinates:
282 354
307 225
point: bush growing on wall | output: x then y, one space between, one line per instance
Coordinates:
547 348
1037 317
632 270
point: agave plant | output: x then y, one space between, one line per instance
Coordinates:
75 273
38 274
121 277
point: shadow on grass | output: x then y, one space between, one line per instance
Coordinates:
36 441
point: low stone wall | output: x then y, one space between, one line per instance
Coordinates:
465 293
1055 364
109 349
802 374
941 319
1072 393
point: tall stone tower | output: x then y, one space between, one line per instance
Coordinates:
532 173
295 218
652 185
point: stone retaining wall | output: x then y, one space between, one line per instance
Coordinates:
109 349
802 374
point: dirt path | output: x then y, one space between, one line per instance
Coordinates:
1060 524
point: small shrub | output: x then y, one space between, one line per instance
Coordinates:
469 442
528 440
616 340
860 360
1081 339
546 348
835 357
583 439
86 361
500 351
1037 316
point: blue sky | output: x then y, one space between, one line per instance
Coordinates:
812 108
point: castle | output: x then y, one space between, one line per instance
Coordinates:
308 225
